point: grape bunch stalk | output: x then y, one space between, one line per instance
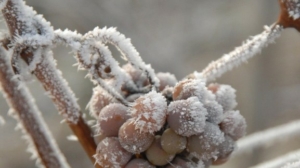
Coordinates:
143 118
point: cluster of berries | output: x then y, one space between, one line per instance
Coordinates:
183 124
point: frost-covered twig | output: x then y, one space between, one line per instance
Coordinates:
290 160
32 31
268 137
32 123
128 51
241 54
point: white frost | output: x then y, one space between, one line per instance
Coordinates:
241 54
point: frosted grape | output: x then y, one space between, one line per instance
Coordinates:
139 163
225 96
187 117
156 155
214 112
99 100
206 145
149 112
111 119
132 139
166 79
109 153
171 142
225 149
192 87
234 124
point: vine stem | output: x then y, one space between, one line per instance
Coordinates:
47 73
36 131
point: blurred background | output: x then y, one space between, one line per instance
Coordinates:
178 37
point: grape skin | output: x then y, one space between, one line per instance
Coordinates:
172 143
111 119
110 153
132 139
187 117
156 155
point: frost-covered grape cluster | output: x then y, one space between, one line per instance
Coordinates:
181 124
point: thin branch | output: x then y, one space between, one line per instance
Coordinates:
32 30
241 54
290 160
25 111
268 137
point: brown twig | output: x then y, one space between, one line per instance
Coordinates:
286 19
20 100
51 79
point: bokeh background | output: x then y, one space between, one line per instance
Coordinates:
179 37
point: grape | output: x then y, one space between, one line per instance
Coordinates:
192 87
225 149
172 143
132 139
206 145
166 79
181 163
138 77
234 124
139 163
156 155
214 111
99 100
109 153
225 96
149 112
111 119
187 117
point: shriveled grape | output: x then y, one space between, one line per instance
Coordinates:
139 163
149 112
187 117
171 142
132 139
110 153
206 145
111 119
156 155
234 124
